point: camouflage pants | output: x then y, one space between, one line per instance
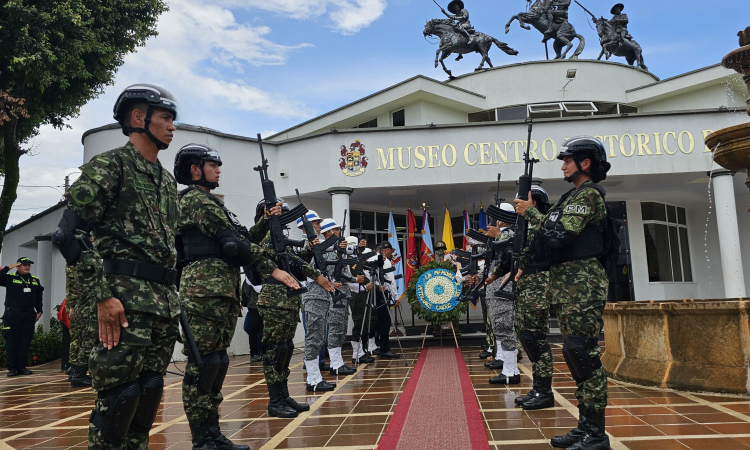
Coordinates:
85 338
75 333
316 318
211 335
338 320
145 346
586 320
503 318
279 326
532 315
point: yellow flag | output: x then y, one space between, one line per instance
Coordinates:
448 232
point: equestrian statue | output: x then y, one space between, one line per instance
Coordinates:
458 36
550 17
615 38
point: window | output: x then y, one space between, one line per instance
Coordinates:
370 124
511 113
667 249
399 118
482 116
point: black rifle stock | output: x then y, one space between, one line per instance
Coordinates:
522 226
277 224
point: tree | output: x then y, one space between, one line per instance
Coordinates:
55 56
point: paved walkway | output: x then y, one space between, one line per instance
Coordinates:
43 412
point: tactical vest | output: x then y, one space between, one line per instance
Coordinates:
196 246
589 243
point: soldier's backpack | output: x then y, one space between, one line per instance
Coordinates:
611 237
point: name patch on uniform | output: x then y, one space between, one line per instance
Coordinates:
576 209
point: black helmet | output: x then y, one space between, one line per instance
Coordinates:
542 199
194 154
583 147
261 208
154 97
440 245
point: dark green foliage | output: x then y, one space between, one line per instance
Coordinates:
55 56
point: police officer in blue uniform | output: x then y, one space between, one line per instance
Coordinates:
23 308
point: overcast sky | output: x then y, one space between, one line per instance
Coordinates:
249 66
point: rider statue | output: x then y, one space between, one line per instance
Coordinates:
461 16
619 23
557 13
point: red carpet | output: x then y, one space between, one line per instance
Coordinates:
438 409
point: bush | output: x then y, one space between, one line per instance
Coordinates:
45 347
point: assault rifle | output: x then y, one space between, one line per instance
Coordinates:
469 266
279 240
522 226
343 259
362 257
320 261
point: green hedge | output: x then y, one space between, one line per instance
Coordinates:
45 347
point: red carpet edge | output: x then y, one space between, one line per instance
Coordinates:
396 425
473 417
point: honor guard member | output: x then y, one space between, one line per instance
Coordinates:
81 340
129 201
357 302
386 285
212 245
23 308
573 233
280 313
532 316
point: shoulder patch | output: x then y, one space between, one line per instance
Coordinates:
576 209
82 193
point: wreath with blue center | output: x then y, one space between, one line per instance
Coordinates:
433 293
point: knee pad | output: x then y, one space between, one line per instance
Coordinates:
122 403
222 373
207 372
576 354
529 344
289 353
152 386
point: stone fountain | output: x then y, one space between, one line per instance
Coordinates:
664 343
732 145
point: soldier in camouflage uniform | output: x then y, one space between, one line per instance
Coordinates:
129 201
212 246
81 340
573 234
280 313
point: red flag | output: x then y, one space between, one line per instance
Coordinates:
411 247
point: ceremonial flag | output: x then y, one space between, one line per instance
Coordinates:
412 260
426 253
482 220
466 227
448 233
396 257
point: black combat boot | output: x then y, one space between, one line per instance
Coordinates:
495 364
343 370
543 396
595 438
519 400
290 401
277 407
502 379
202 438
221 441
80 378
573 435
323 386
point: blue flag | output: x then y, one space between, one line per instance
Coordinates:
482 221
396 258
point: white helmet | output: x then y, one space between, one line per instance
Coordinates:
311 215
351 245
507 207
328 225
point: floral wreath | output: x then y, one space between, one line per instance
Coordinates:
437 318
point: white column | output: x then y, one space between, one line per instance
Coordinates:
729 236
339 203
43 265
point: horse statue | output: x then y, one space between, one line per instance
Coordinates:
451 41
562 33
617 46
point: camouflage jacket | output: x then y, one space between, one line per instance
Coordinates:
275 295
214 277
134 211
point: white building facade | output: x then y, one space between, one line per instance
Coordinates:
443 144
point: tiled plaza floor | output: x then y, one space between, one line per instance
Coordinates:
42 411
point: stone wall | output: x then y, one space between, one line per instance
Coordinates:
697 345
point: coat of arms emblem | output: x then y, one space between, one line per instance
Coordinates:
353 161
